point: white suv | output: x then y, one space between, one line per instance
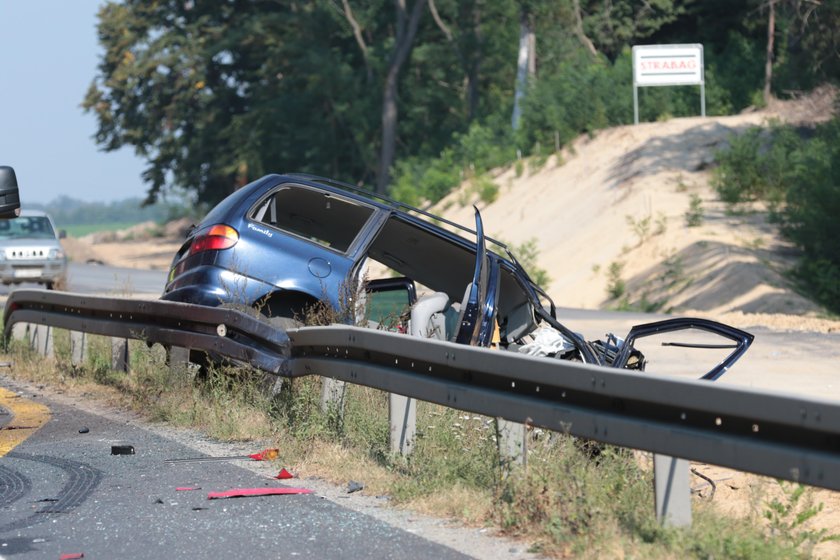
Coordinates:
30 250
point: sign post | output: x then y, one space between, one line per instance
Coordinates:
668 65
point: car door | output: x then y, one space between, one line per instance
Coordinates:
478 309
695 335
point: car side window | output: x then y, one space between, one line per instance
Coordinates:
317 216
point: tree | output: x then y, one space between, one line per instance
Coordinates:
406 28
214 95
771 33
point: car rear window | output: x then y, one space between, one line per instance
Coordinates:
318 216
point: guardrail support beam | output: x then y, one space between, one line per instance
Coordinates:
177 358
119 354
20 331
42 340
672 491
78 348
513 449
402 416
332 395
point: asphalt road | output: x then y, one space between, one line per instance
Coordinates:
106 280
63 492
791 363
103 279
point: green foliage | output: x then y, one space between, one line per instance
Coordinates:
640 226
80 217
799 176
214 95
84 229
488 191
757 165
616 286
528 256
482 148
738 176
694 214
788 518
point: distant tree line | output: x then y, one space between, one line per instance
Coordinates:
411 96
66 211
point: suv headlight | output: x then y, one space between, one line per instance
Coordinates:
56 254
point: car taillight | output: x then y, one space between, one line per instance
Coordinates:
217 237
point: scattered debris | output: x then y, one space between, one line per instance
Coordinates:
284 475
72 556
122 450
187 488
84 430
708 480
198 508
248 492
354 486
264 455
158 501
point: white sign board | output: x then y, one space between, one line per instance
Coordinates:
667 65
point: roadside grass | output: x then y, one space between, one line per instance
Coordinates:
567 502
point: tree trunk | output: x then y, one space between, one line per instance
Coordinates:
474 68
521 71
768 65
579 30
404 38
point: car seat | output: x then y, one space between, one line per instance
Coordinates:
427 316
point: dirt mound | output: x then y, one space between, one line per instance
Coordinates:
147 245
614 209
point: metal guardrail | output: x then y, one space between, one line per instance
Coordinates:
226 332
787 437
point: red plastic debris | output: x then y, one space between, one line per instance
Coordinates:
72 556
187 488
246 492
265 455
284 475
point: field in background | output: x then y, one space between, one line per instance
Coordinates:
80 230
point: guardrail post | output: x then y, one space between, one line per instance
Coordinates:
42 340
177 358
402 415
119 354
510 438
672 490
332 395
20 331
78 347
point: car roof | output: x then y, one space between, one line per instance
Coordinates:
382 201
32 212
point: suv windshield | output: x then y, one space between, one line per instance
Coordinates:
27 227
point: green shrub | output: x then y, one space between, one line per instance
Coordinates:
694 214
798 175
488 191
616 286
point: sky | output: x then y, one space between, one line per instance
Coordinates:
48 57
